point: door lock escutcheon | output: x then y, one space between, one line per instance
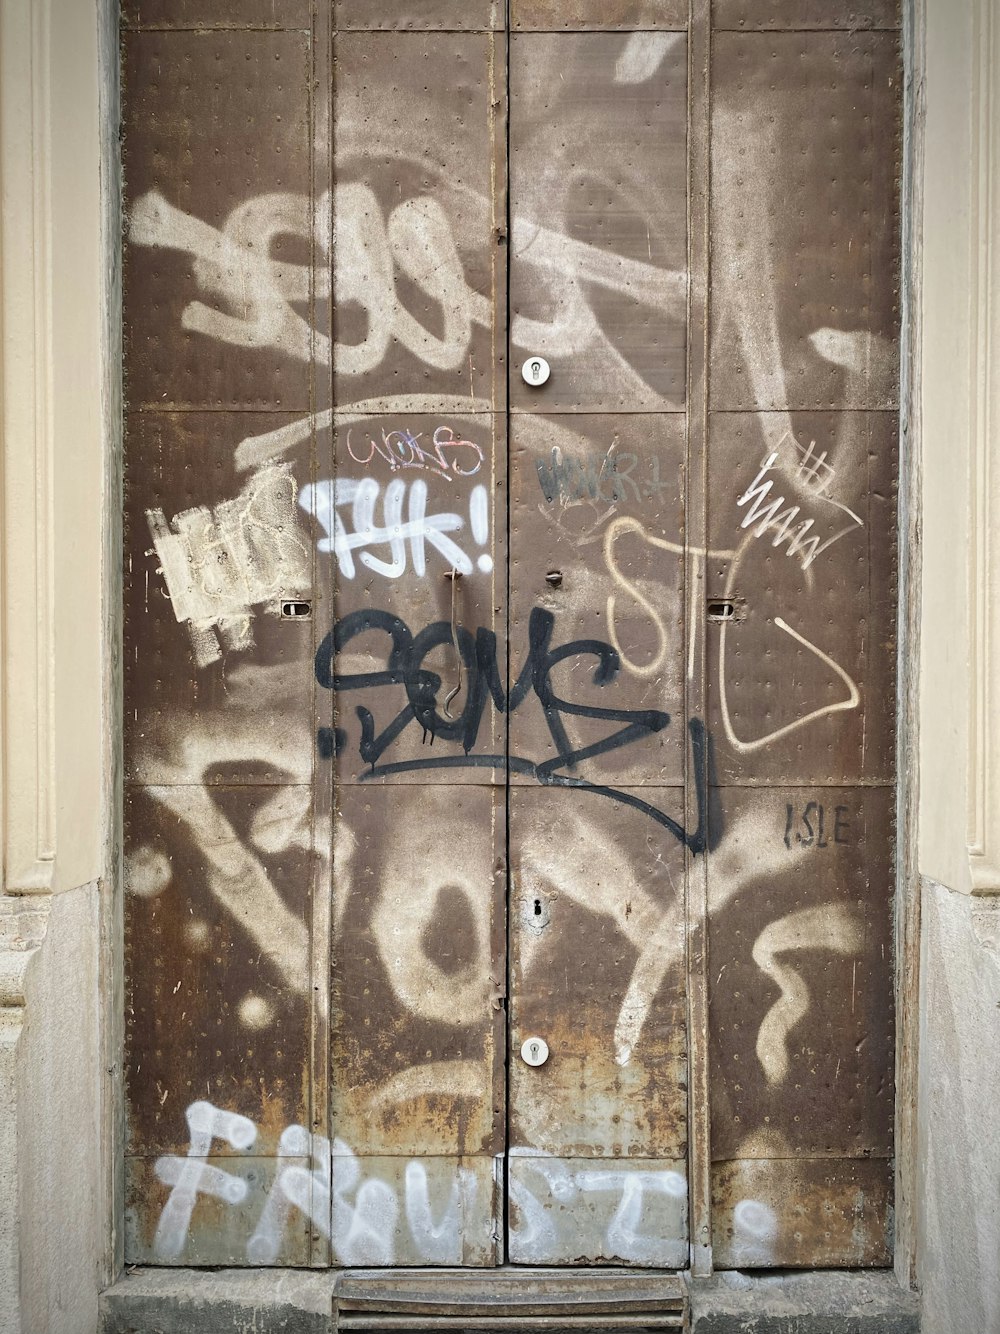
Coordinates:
534 1051
535 371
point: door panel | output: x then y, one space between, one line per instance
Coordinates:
800 1210
593 882
413 517
598 209
418 213
224 874
805 220
803 15
806 1008
812 576
597 15
200 145
413 498
216 15
414 15
417 1091
802 461
597 1135
597 566
569 1211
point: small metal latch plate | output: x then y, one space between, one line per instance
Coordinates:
296 609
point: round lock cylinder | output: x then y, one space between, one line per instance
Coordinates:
534 1051
535 371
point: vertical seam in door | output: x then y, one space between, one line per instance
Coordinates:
322 824
696 544
508 224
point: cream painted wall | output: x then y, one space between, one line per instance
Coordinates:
959 1147
960 420
53 441
958 1087
944 377
60 1188
57 1040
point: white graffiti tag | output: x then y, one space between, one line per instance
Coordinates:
235 266
359 1214
829 927
535 1229
372 1221
777 516
420 529
193 1176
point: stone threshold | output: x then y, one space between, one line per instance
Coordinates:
295 1301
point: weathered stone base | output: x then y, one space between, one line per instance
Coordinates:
185 1301
238 1301
52 1179
829 1302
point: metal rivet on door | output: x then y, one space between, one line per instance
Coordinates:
534 1051
535 371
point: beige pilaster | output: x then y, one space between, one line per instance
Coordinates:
958 1205
54 425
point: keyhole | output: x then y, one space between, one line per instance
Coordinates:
538 907
535 371
534 1051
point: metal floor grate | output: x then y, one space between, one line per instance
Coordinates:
508 1299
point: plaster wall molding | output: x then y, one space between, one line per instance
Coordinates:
25 268
24 921
51 448
984 480
60 507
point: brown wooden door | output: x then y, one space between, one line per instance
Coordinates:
466 712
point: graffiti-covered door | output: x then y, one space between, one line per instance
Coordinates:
510 469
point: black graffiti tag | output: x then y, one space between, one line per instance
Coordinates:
405 666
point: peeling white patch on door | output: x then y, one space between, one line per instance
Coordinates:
220 564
